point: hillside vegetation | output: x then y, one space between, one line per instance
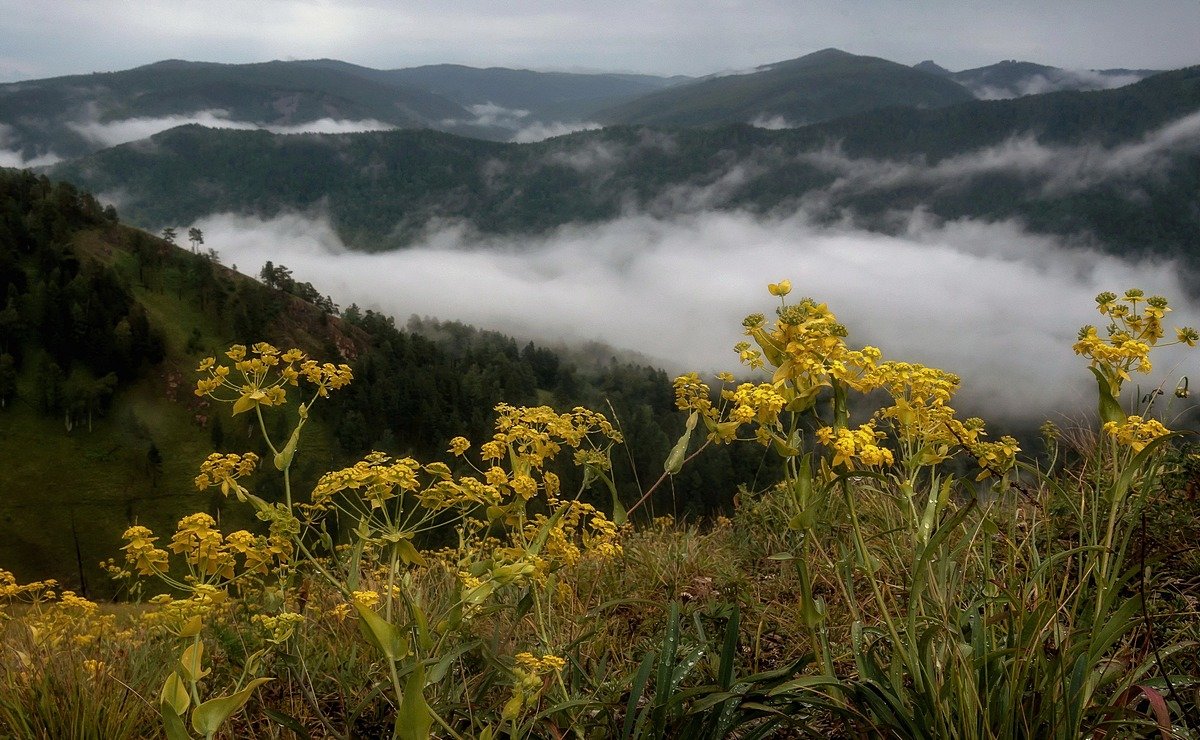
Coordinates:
909 575
103 325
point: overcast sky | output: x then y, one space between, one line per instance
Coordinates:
42 38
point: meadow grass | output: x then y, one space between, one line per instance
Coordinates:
909 575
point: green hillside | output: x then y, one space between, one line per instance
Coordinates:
817 87
103 327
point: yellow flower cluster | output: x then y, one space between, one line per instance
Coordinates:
859 445
34 591
540 666
529 680
531 435
140 552
1136 432
277 628
204 601
1134 328
72 620
806 346
377 477
265 371
994 458
202 545
692 394
204 549
367 598
761 403
580 531
224 470
920 409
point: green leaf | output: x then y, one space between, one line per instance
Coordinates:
175 695
173 725
1110 409
243 404
192 628
284 458
729 650
414 719
386 637
539 539
207 718
408 553
782 448
192 662
289 722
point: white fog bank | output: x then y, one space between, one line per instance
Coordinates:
991 302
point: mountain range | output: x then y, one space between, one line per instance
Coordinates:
42 121
1120 168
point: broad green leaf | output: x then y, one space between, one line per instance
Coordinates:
243 404
207 718
414 719
1110 409
386 637
175 695
618 515
408 553
539 540
192 628
284 458
173 726
191 662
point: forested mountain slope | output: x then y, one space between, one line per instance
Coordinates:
1120 167
102 327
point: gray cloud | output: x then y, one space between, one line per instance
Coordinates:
773 123
1061 168
14 158
112 133
1066 79
524 128
991 302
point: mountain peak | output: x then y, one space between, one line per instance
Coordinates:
932 67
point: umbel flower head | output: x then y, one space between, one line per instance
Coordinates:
265 374
1134 328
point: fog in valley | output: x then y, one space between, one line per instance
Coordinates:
994 303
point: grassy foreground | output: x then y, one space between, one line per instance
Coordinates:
907 577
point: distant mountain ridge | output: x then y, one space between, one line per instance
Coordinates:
816 87
545 95
980 159
1013 79
61 115
48 120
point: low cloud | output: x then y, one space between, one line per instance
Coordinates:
539 131
112 133
524 127
1060 168
773 123
989 301
12 157
1062 79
